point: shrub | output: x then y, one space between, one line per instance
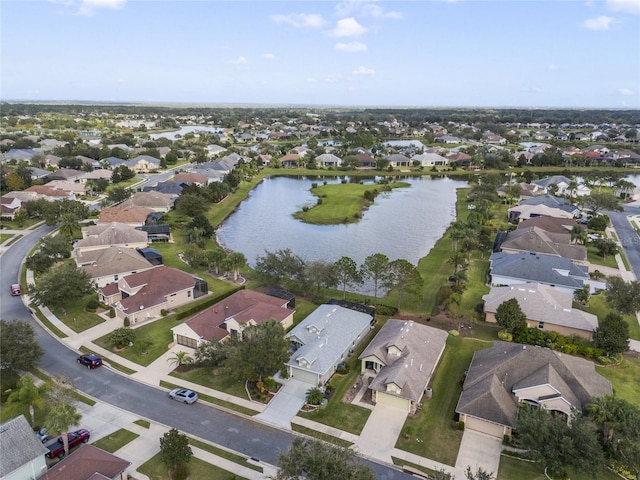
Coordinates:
270 384
604 360
127 322
505 336
92 305
460 425
342 369
121 337
163 312
455 333
112 312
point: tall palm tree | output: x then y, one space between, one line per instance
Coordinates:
69 224
180 358
195 235
60 418
235 261
27 394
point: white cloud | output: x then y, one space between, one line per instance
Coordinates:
365 8
88 7
331 79
300 20
625 6
598 23
626 91
348 27
268 56
239 61
351 47
361 70
552 67
312 80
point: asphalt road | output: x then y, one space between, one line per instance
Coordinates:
627 236
240 434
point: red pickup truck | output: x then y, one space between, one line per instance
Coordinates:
56 449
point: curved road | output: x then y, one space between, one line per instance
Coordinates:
627 236
235 432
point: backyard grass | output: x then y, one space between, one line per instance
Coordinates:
76 317
431 432
156 470
624 378
599 307
512 468
116 440
342 202
475 288
596 259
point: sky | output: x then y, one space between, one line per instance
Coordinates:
421 53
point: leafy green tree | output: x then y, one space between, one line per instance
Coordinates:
201 221
257 352
282 267
376 268
606 247
26 395
121 337
581 295
119 194
24 172
480 473
316 460
578 235
612 335
510 316
195 235
69 225
318 275
191 204
60 419
348 274
62 286
623 296
176 453
19 349
404 277
600 201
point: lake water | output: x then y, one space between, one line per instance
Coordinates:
404 223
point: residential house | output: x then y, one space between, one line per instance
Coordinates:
526 190
91 162
535 239
494 139
51 194
525 212
144 295
403 356
366 160
78 189
507 374
21 452
214 150
430 160
192 178
290 160
323 340
169 188
114 162
550 224
131 215
558 272
560 181
89 463
156 201
397 160
98 174
9 206
69 174
328 160
114 234
553 202
231 316
450 139
109 264
143 163
52 160
546 308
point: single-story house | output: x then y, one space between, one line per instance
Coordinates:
9 206
430 160
110 264
112 234
191 178
69 174
143 163
89 463
507 374
550 224
75 187
529 267
142 296
98 174
156 201
398 160
525 212
403 356
131 215
51 194
535 239
231 316
323 340
328 160
22 453
546 308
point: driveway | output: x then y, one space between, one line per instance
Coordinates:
478 450
286 404
380 433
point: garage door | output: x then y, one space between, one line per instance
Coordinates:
392 401
305 376
484 427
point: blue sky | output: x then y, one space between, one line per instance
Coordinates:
462 53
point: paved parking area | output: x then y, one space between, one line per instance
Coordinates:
286 404
380 434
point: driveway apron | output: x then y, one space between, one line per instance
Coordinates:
478 450
380 433
286 404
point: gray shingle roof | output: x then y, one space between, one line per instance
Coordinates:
534 267
420 346
18 445
325 335
496 372
111 261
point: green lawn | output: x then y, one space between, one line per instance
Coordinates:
599 307
116 440
156 470
221 381
240 460
432 430
5 236
594 258
515 469
11 225
213 400
342 202
475 288
625 378
76 317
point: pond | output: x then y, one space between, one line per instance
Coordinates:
404 223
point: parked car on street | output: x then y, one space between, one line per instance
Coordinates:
90 360
183 395
43 436
16 289
75 438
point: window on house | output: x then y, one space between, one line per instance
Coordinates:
115 277
189 293
540 324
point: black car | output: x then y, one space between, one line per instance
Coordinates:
90 360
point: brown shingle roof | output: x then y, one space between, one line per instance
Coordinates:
87 462
243 306
550 224
157 283
131 214
108 234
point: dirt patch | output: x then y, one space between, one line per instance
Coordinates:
441 321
